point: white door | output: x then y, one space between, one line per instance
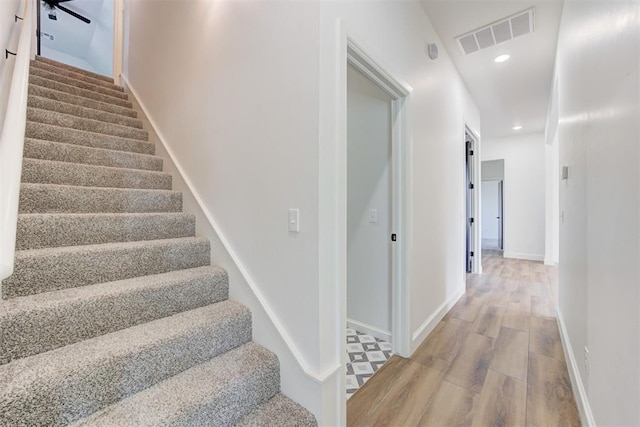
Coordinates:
491 215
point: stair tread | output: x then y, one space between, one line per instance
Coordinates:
48 269
36 231
94 373
279 411
80 154
80 174
74 75
103 247
63 296
78 91
49 132
71 67
69 98
36 323
83 84
196 396
75 110
39 115
52 198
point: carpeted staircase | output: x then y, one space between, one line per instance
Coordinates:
114 315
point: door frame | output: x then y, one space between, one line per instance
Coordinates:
399 93
118 40
475 173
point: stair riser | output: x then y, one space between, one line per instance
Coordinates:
73 90
57 64
71 267
74 75
80 101
50 230
90 388
82 112
236 401
27 332
63 173
39 198
33 71
216 393
48 150
94 126
48 132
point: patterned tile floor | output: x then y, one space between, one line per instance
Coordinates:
366 355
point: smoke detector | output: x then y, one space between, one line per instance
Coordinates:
497 32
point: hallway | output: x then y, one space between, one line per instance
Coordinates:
496 359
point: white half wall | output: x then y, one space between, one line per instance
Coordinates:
368 188
598 103
8 8
524 192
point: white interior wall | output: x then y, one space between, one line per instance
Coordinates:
368 187
251 122
98 57
8 8
490 210
524 192
100 51
598 98
66 58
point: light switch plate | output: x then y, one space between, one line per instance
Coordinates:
373 215
294 220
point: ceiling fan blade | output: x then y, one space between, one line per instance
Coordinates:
72 13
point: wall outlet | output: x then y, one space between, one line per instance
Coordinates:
586 360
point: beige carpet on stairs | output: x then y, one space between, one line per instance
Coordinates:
114 315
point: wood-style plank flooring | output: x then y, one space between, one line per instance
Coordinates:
496 359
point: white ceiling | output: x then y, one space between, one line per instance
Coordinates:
512 92
72 35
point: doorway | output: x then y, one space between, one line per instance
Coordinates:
470 222
369 227
64 34
492 209
386 220
492 215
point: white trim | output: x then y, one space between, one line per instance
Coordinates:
586 416
118 40
476 178
319 377
549 261
399 92
427 326
369 329
529 257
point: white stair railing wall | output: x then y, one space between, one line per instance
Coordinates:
12 136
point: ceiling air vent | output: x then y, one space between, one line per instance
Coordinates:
497 32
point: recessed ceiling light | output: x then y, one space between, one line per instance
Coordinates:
501 58
517 127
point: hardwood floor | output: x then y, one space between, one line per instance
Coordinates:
496 359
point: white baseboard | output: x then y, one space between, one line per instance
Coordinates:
586 416
369 330
528 257
549 261
427 326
